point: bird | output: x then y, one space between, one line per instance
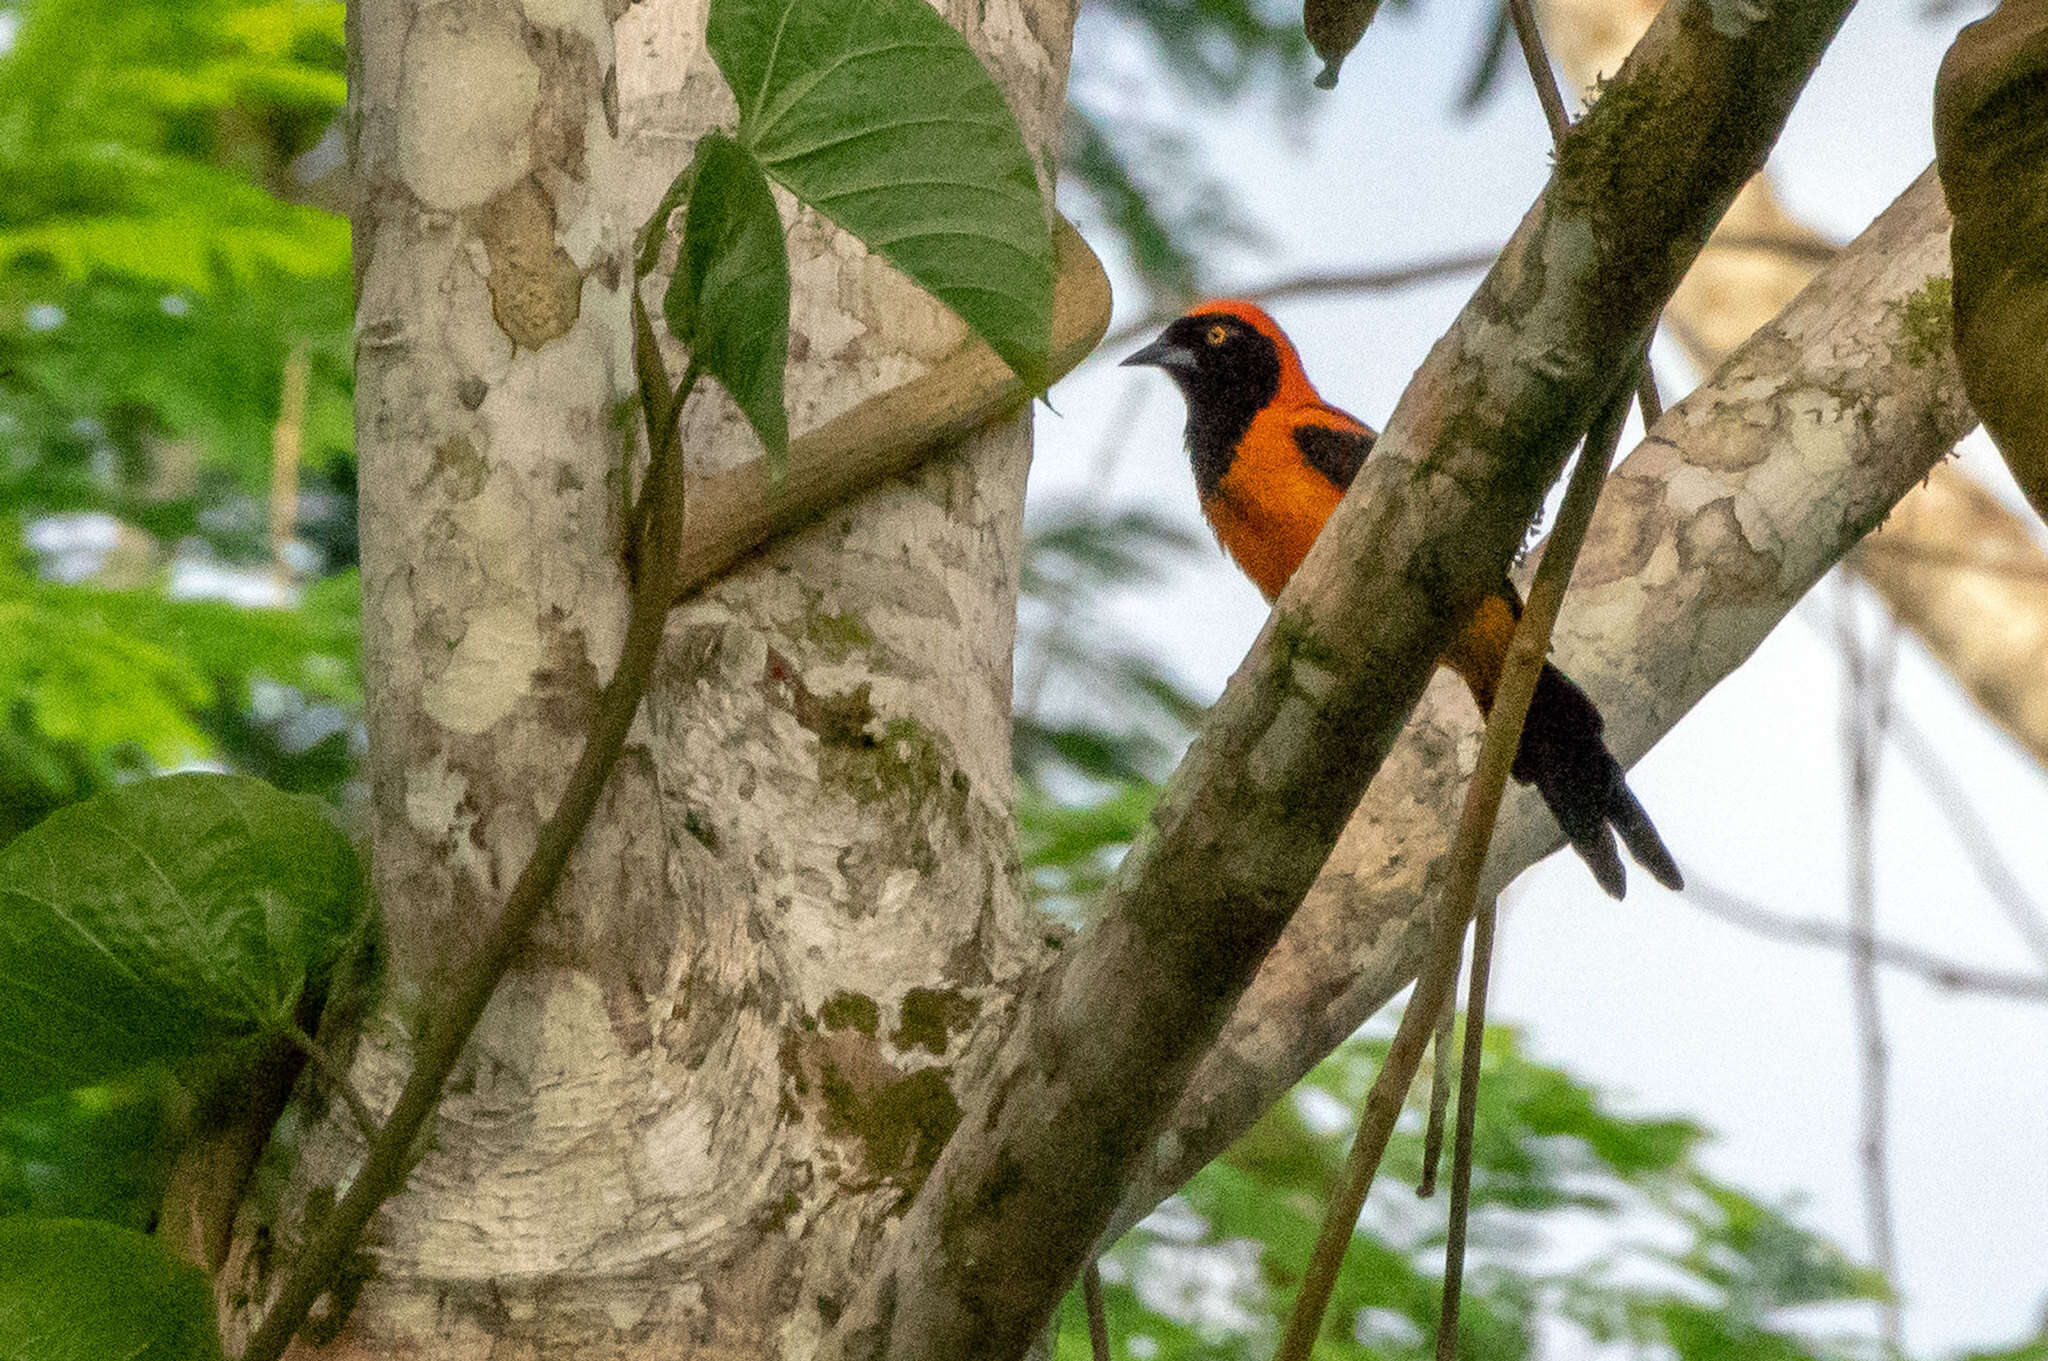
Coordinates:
1272 459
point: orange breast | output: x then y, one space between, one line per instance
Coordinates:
1270 506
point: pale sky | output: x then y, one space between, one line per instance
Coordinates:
1653 1000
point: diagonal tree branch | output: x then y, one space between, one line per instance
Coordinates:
1744 494
1105 1043
734 512
1991 635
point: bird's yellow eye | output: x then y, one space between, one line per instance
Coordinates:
1218 334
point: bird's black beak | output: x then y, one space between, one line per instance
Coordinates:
1162 353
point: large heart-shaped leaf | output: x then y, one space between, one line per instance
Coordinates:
79 1290
160 920
880 116
729 299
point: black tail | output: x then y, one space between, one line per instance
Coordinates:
1562 754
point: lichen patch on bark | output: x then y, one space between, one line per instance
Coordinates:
898 1118
536 290
930 1018
457 466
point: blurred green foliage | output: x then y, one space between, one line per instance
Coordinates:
1679 1263
1221 48
1098 722
1144 185
94 1153
164 249
162 254
155 269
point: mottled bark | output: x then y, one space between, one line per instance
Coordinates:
1742 496
1108 1040
1758 258
733 1048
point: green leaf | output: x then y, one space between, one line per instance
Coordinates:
78 1290
161 920
880 116
729 299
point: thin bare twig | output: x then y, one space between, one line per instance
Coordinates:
1947 974
1439 1097
1866 701
1391 278
1098 1318
1530 36
1953 798
1503 735
1955 802
1395 277
1381 279
1468 1121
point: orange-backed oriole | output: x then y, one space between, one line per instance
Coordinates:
1272 459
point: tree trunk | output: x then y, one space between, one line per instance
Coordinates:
732 1051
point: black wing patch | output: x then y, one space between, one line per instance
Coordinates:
1336 454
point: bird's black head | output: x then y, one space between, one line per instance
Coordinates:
1218 358
1228 368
